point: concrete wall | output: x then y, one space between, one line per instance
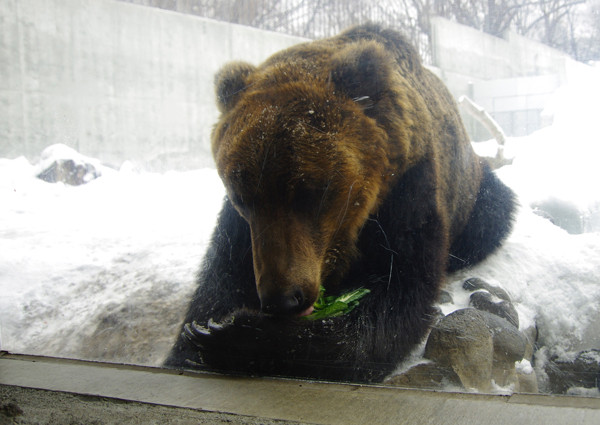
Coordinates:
463 50
114 80
511 77
119 81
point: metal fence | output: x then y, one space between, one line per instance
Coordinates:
304 18
309 18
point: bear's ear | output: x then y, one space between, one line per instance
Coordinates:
230 82
363 71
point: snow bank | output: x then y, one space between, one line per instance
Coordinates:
550 264
68 254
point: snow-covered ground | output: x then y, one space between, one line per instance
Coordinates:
553 275
104 270
86 270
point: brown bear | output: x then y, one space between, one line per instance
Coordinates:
346 165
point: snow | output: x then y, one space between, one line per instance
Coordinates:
524 367
552 276
68 254
72 257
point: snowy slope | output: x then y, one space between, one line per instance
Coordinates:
69 256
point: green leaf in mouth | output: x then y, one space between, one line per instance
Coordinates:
332 306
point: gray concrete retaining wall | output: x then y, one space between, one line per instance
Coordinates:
119 81
114 80
511 77
463 50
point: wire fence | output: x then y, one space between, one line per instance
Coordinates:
304 18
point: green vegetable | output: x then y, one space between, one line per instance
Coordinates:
332 306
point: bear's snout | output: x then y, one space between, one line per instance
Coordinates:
289 303
287 264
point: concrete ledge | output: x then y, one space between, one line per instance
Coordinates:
29 406
243 400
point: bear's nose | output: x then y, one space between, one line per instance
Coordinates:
291 302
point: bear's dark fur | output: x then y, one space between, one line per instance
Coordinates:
346 165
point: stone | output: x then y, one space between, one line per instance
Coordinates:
69 172
484 301
478 346
474 284
583 371
509 343
445 297
509 347
60 163
462 341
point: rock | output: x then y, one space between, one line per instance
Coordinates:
60 163
426 375
502 319
492 299
474 284
478 346
509 347
462 341
444 297
69 172
484 301
583 371
509 343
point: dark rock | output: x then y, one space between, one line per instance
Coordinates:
445 297
69 172
584 371
509 343
474 284
482 300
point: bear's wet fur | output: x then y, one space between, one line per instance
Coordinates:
346 165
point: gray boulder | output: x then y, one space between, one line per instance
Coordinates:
478 346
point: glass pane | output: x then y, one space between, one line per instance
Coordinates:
110 193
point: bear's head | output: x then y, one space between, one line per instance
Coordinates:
304 162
